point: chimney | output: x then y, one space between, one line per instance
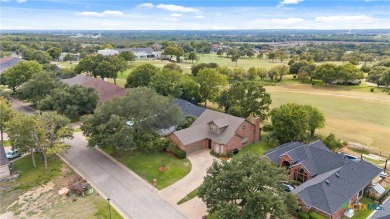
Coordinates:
256 121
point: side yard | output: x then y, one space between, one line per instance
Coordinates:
35 194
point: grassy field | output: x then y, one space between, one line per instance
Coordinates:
352 116
147 166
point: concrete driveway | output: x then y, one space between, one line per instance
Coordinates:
195 208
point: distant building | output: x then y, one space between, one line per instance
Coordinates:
143 53
108 52
76 55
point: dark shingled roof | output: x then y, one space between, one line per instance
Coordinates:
78 79
315 157
274 154
188 108
328 192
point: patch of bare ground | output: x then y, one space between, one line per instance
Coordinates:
49 201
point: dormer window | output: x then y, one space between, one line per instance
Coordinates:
213 128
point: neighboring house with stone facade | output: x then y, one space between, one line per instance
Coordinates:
217 131
329 179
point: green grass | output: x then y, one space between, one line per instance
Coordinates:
356 120
147 166
30 177
373 161
189 196
6 143
258 148
363 214
102 210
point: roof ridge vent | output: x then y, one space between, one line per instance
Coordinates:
327 182
338 174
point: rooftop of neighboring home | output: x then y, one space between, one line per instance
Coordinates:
336 178
188 108
147 50
104 89
315 157
8 62
329 191
200 128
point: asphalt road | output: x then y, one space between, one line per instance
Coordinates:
384 213
133 198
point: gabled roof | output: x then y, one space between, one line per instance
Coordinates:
188 108
315 157
105 90
220 123
199 130
329 191
275 153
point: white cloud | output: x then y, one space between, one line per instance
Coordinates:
115 13
342 18
291 20
200 16
170 19
176 8
288 2
176 15
145 5
102 14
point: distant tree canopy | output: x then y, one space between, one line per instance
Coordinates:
245 99
174 51
20 73
141 75
196 68
102 66
42 57
210 84
127 55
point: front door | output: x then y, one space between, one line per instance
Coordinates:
209 143
221 149
217 148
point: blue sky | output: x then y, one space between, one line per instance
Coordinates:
194 15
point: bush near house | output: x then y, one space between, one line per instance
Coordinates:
303 215
180 153
315 215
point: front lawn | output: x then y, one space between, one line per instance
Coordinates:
147 166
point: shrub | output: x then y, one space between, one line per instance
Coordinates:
294 76
303 215
372 89
180 153
268 128
162 144
332 142
315 215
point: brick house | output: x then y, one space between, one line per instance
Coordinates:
330 180
217 131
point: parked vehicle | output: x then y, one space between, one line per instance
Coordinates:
288 187
383 174
13 154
